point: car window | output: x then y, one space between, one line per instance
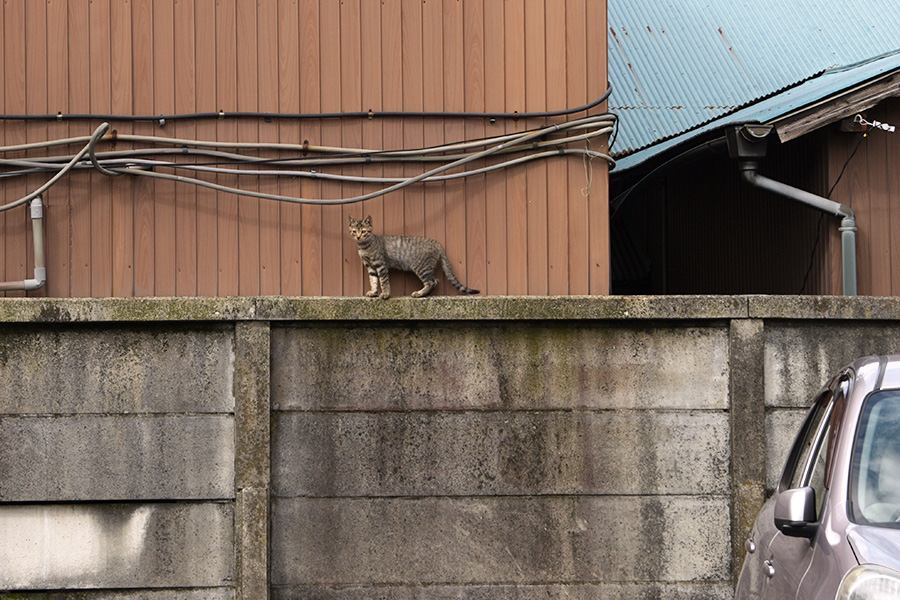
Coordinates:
875 470
803 457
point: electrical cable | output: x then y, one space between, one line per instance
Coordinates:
369 114
106 162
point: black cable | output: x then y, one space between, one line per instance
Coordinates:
812 256
335 115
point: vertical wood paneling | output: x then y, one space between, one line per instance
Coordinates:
495 191
598 212
207 204
121 102
351 134
35 101
310 102
56 201
558 195
248 129
269 95
893 183
289 220
413 128
454 129
164 103
333 225
80 188
880 214
100 196
471 268
526 229
144 192
576 87
372 129
516 197
185 241
536 101
15 239
226 88
392 133
433 96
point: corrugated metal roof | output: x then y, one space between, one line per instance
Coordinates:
676 66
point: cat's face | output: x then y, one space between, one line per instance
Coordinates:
360 230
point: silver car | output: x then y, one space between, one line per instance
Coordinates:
832 527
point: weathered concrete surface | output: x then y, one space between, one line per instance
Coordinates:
646 591
520 540
121 457
279 308
115 545
748 433
801 356
500 453
513 366
125 369
439 448
252 543
222 593
818 308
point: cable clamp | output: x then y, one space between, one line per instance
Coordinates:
59 116
221 114
184 148
371 114
162 121
874 124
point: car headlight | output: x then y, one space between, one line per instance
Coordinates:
869 582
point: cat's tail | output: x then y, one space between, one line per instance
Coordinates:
451 277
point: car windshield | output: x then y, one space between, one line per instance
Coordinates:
875 473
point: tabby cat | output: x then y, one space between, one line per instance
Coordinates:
405 253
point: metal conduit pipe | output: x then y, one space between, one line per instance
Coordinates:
40 271
747 145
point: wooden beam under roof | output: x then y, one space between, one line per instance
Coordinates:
836 107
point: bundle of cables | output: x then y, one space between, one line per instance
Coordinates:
305 160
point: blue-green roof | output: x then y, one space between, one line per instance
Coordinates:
679 69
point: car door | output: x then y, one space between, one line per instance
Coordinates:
808 464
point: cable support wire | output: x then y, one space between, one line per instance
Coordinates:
538 143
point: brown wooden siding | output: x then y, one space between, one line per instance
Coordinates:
871 187
526 230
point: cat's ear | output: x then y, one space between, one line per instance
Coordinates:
368 220
351 218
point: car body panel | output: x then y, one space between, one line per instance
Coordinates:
787 566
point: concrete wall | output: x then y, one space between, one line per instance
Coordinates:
439 448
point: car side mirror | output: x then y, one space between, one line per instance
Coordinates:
795 512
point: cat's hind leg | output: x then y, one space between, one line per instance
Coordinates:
428 283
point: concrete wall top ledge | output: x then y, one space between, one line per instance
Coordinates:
444 308
824 307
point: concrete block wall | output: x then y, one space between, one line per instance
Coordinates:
438 448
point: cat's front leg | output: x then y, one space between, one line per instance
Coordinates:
373 284
385 283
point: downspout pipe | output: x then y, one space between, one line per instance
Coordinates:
748 163
40 271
